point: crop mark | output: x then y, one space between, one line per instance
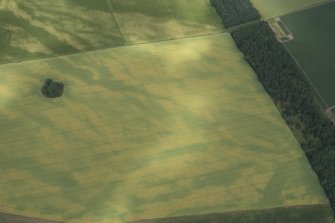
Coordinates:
111 9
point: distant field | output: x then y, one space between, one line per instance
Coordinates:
272 8
313 46
149 131
57 27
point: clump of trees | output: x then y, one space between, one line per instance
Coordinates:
52 89
235 12
291 92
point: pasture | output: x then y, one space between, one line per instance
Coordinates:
313 46
154 130
273 8
47 28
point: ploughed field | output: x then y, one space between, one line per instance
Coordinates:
313 47
156 130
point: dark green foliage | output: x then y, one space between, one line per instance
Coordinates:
52 89
235 12
284 81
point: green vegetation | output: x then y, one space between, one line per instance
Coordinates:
289 89
273 8
313 46
52 89
164 126
235 12
294 214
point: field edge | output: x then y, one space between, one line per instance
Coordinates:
286 214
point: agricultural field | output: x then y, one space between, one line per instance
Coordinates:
313 46
153 20
273 8
36 29
49 28
156 130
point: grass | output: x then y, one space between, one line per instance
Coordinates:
147 131
293 214
313 46
273 8
48 28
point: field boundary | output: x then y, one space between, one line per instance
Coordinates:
216 216
116 47
15 218
306 8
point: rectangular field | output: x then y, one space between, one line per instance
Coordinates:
273 8
313 46
49 28
39 29
149 131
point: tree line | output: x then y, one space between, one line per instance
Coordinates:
291 92
235 12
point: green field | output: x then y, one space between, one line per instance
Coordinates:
49 28
272 8
313 46
155 130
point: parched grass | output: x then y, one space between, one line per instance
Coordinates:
273 8
149 131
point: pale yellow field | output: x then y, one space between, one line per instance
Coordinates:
273 8
154 130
